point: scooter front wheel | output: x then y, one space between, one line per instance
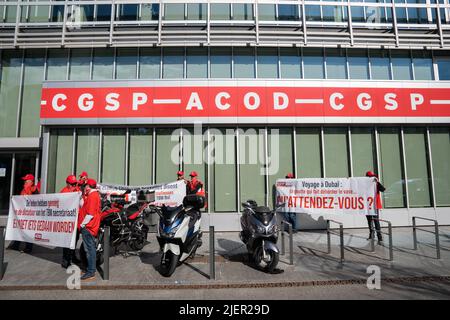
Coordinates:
269 263
169 262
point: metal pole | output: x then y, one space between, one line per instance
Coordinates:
436 232
282 238
291 246
414 233
212 265
2 251
328 237
391 247
106 254
341 234
372 233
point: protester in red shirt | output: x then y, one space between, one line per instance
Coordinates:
373 220
89 223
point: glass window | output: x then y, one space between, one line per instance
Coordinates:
60 159
196 11
312 13
81 13
127 12
309 163
401 65
196 62
244 62
251 165
444 69
9 91
288 12
242 11
358 14
193 154
220 62
104 12
35 13
25 163
5 182
313 65
358 64
57 13
126 63
280 157
33 74
80 62
334 13
363 151
167 155
267 63
423 65
174 11
149 63
267 12
103 62
141 156
290 62
173 63
149 11
440 153
401 15
57 64
223 170
336 152
417 167
220 11
380 65
336 64
10 13
113 156
88 145
391 168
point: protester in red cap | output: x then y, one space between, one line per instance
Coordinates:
69 254
89 223
83 177
180 176
290 176
194 186
373 220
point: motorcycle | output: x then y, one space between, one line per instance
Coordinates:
179 235
260 234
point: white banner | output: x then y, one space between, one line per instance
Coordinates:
47 219
170 194
327 195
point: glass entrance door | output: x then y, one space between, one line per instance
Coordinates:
5 181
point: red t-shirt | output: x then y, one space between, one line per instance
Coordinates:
91 206
28 189
68 189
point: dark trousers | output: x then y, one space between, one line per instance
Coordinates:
69 254
15 245
91 252
373 221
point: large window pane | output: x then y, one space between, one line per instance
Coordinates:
196 11
444 69
220 62
167 155
417 167
126 63
5 182
88 144
33 75
80 61
193 154
267 63
103 63
57 13
287 12
267 12
242 11
336 64
251 165
401 65
363 151
113 156
391 168
103 12
358 64
336 152
141 156
312 13
334 13
173 63
313 64
60 159
127 12
149 11
290 63
244 63
309 163
196 63
223 170
380 65
57 64
9 91
35 13
440 152
423 65
10 13
174 11
149 63
220 11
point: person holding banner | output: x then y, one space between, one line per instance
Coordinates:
89 223
195 186
373 220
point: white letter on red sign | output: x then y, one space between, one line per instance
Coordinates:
113 104
247 104
139 98
194 102
333 101
364 105
391 104
85 105
276 100
55 99
416 99
219 103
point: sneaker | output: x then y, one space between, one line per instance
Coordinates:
87 277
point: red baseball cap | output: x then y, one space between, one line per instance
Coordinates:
84 174
193 174
71 179
91 183
289 176
180 173
28 177
370 174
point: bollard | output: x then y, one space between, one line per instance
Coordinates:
341 235
372 239
328 237
291 246
106 248
282 238
391 247
212 251
436 233
2 251
414 233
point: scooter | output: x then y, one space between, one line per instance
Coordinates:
179 235
260 234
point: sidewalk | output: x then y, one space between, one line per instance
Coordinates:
312 265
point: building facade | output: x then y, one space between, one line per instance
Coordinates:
255 54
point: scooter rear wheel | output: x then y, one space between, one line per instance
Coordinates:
169 262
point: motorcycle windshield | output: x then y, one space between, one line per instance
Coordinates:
169 214
264 215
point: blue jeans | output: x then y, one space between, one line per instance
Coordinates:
91 252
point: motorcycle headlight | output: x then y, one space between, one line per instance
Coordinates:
170 233
261 229
274 229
